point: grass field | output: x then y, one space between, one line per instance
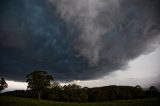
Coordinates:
15 101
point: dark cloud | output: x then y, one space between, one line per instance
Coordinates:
75 39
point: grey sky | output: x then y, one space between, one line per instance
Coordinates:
92 42
143 71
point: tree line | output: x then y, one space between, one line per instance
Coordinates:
39 85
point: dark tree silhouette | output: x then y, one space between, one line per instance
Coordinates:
55 85
38 81
152 92
3 84
75 93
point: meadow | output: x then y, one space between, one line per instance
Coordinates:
17 101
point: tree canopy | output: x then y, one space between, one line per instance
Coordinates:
38 81
3 84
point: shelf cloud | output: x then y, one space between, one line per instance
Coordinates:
75 39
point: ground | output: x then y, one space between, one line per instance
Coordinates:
16 101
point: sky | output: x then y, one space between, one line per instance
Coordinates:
143 71
88 42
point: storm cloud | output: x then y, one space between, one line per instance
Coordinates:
75 39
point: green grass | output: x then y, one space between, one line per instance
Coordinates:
16 101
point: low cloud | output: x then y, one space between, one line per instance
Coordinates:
75 39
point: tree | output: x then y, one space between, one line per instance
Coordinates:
55 85
152 92
138 92
3 84
38 81
55 91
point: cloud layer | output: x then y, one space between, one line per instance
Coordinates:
75 39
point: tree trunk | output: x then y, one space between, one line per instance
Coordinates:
39 95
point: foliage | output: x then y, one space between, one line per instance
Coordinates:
38 81
3 84
75 93
152 92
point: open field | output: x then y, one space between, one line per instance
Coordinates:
16 101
